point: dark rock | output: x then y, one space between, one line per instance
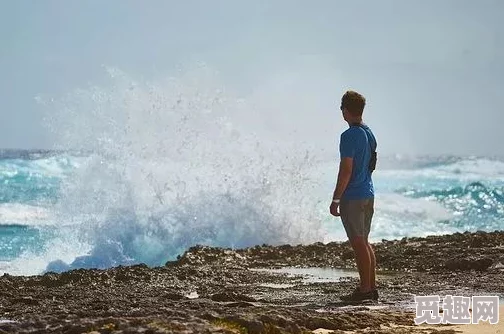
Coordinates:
210 316
7 327
74 329
480 264
348 255
293 328
230 297
320 322
253 326
173 296
27 301
239 304
172 263
140 299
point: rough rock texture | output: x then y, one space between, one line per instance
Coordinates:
213 290
459 251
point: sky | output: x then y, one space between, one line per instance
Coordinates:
432 71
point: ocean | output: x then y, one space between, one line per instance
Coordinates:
141 171
62 210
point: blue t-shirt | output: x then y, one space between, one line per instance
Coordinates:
355 143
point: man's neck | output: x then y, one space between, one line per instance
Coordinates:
356 121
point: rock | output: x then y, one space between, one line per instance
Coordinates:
498 265
230 297
239 304
173 296
293 328
171 263
210 316
479 264
348 255
27 301
7 327
253 326
74 329
130 299
320 322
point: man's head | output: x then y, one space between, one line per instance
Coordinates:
352 105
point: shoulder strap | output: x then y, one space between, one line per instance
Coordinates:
373 158
360 125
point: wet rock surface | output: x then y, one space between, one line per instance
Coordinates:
213 290
459 251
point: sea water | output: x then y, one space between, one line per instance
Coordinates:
141 172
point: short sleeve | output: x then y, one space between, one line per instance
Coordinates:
347 145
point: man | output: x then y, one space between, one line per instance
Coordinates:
353 198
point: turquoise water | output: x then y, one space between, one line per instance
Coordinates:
16 239
60 211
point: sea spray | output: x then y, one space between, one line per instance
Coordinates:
172 165
145 170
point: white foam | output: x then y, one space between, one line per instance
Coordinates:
466 170
57 166
23 214
173 167
398 216
65 248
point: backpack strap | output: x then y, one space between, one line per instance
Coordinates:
373 158
360 125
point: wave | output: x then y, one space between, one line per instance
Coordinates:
459 169
172 165
23 215
34 154
397 216
424 162
474 206
34 181
148 210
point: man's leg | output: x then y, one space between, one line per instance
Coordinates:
369 211
353 218
372 269
364 262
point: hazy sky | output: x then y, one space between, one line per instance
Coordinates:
432 71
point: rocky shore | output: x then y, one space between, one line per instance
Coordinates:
215 290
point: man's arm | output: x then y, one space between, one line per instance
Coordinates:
344 175
347 152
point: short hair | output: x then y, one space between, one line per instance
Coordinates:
353 102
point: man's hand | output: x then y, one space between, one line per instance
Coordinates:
334 209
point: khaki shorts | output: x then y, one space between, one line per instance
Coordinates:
356 216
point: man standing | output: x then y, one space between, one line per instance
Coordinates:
353 198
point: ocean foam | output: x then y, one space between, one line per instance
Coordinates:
175 163
172 166
22 214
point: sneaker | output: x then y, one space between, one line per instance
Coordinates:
357 295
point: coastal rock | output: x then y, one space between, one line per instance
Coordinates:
232 298
408 254
469 264
252 325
